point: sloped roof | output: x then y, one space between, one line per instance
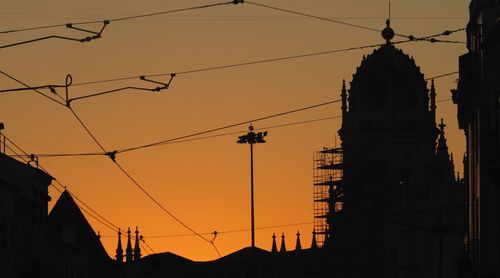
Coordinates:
66 212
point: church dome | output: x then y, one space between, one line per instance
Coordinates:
388 79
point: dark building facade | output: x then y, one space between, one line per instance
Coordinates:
478 100
34 243
403 207
23 219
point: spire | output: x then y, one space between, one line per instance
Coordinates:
442 148
314 245
137 248
445 163
433 100
452 168
128 251
282 247
298 247
274 248
344 98
119 249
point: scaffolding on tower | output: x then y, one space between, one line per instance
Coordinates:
328 191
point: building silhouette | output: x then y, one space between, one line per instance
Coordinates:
34 243
391 205
403 207
478 99
23 219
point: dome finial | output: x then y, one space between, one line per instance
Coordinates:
388 33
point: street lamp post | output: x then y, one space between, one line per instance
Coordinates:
252 138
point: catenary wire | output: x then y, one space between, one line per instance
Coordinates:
179 139
126 18
57 183
135 182
249 63
144 248
411 37
232 231
442 75
316 17
227 126
262 61
41 155
24 84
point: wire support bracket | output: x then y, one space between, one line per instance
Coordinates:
95 35
163 86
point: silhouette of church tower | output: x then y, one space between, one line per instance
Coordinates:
394 193
298 246
274 248
137 248
283 246
119 249
128 251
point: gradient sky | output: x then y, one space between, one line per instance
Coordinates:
205 183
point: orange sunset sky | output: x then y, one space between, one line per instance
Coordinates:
206 182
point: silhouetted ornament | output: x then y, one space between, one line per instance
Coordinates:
274 248
298 246
283 246
314 244
119 249
388 33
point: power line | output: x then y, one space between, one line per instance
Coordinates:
144 248
315 17
231 231
56 183
411 37
94 35
442 75
180 139
48 155
227 126
125 18
113 158
249 63
444 100
163 86
27 86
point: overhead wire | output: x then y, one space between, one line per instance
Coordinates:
144 248
262 61
112 154
125 18
95 35
242 64
441 75
317 17
231 231
103 220
144 241
48 155
36 90
410 37
226 127
185 138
